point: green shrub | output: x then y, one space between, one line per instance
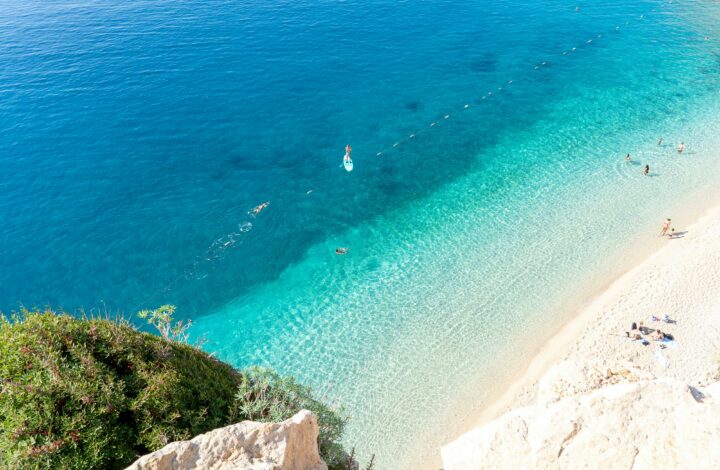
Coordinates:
84 394
96 394
263 395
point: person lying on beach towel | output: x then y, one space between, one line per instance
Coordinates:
657 335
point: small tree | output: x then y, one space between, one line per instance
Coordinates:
162 319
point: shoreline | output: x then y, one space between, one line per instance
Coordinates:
514 387
575 339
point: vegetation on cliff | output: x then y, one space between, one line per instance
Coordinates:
93 393
263 395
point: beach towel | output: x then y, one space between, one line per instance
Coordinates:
661 357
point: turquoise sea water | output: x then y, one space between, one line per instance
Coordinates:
136 136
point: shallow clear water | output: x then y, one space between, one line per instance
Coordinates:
136 137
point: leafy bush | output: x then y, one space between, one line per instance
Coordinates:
263 395
83 394
96 394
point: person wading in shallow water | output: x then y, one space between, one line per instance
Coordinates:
646 170
665 227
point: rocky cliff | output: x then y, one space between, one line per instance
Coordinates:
610 418
289 445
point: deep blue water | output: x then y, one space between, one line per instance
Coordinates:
136 136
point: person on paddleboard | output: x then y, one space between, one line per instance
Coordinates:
347 159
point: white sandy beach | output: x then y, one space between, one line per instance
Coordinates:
681 280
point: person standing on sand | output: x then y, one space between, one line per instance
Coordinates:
665 227
646 170
681 147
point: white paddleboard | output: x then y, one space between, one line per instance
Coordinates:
347 162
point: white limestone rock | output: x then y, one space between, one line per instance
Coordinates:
569 378
289 445
611 420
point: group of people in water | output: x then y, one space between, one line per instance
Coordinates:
646 168
344 250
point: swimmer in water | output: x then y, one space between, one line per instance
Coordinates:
341 251
646 170
660 142
681 147
627 158
259 208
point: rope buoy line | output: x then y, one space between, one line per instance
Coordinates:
219 248
489 94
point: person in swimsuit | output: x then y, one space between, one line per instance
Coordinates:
646 170
259 208
681 147
341 251
348 151
665 227
660 142
627 158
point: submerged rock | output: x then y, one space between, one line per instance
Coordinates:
289 445
617 419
